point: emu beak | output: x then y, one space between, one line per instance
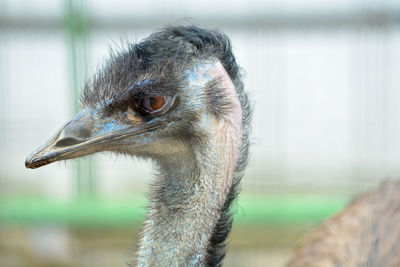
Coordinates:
87 133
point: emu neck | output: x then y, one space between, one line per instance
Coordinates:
188 198
185 207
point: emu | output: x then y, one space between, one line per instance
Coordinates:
178 99
366 233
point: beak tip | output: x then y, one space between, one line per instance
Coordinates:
29 161
33 162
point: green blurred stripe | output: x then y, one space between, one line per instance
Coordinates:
76 23
287 209
250 210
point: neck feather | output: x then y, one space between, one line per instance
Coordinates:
189 206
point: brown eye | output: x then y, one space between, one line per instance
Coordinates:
155 103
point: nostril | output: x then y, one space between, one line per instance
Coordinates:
83 133
68 141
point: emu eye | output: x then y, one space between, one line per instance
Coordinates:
156 103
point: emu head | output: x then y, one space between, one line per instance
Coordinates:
164 96
177 98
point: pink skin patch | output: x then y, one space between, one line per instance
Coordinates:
226 133
203 73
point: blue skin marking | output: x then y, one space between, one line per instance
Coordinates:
108 101
142 83
193 78
110 127
197 77
193 74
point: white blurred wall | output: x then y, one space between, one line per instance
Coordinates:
326 97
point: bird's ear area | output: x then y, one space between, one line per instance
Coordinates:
225 98
218 89
217 100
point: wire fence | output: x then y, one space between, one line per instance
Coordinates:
323 79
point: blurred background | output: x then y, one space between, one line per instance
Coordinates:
324 79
